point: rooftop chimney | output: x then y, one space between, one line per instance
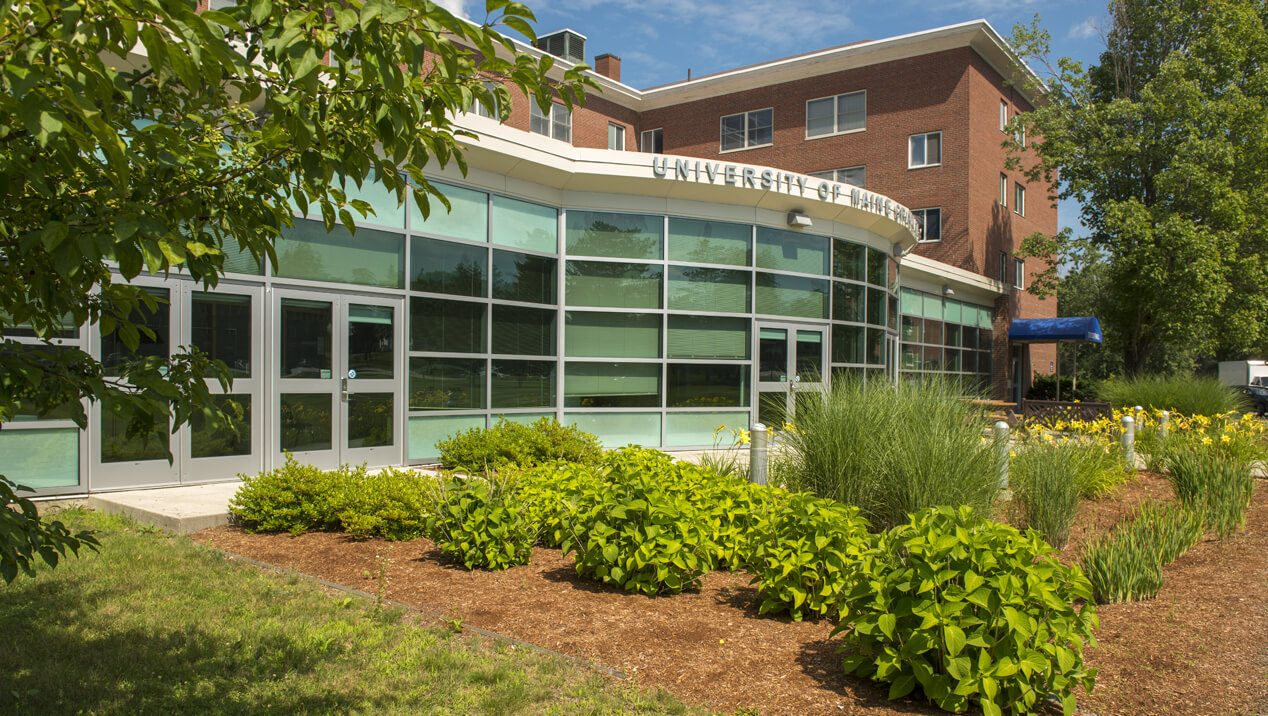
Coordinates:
568 44
608 65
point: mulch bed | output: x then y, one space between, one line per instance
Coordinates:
1201 647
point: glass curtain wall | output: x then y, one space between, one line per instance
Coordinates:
946 337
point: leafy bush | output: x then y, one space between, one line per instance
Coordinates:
552 495
392 504
641 534
891 449
482 450
1126 564
1046 481
964 609
293 498
1044 387
806 556
1183 394
482 524
1213 484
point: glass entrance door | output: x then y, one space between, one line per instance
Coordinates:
337 368
790 369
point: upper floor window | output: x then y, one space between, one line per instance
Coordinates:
1003 190
748 129
616 136
1003 116
854 176
1019 274
1019 133
1019 199
930 221
924 150
652 140
1003 267
479 108
558 125
836 115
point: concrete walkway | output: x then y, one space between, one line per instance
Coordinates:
177 509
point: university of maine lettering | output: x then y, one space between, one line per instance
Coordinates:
789 183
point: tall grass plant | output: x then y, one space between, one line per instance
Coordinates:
890 450
1183 394
1046 483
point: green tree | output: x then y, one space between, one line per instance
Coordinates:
142 137
1163 143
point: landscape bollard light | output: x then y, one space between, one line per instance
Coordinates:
1136 411
1129 441
757 454
1001 447
1164 422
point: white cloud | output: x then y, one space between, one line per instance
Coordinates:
1085 30
457 7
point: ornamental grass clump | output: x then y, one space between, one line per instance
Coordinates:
807 557
1046 482
1215 485
890 450
481 524
969 611
1126 564
1182 394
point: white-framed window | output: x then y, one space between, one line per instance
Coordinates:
747 130
1019 274
843 113
652 140
930 221
1003 267
1003 116
854 176
1003 190
1019 199
616 136
557 126
924 150
483 111
1019 133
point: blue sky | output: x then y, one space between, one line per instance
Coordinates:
659 40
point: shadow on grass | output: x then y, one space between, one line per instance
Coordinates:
66 652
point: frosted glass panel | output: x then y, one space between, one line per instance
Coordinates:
791 251
371 258
710 242
468 217
388 211
41 459
619 429
600 233
612 335
524 225
696 429
425 432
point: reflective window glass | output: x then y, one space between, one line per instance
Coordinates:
307 421
446 383
791 251
371 258
118 446
220 326
525 225
710 242
447 267
601 233
801 296
114 353
612 335
612 385
222 438
847 344
371 420
877 271
707 337
446 326
524 277
876 306
306 338
615 285
371 341
700 288
848 260
523 384
847 302
467 217
523 331
700 385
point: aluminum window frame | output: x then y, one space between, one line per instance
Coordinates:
925 138
747 128
924 216
836 117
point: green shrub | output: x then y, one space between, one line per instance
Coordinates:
1044 387
638 534
482 524
1046 482
891 449
552 495
1126 564
733 510
1183 394
393 504
967 609
1217 486
293 498
806 556
481 450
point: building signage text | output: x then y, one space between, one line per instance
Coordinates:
707 172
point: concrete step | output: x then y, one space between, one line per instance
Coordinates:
181 510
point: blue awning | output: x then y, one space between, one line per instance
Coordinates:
1052 330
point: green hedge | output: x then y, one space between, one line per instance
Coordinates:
510 444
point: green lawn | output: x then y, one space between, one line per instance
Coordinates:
158 624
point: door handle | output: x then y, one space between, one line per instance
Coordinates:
343 389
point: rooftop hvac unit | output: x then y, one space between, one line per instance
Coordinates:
568 44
